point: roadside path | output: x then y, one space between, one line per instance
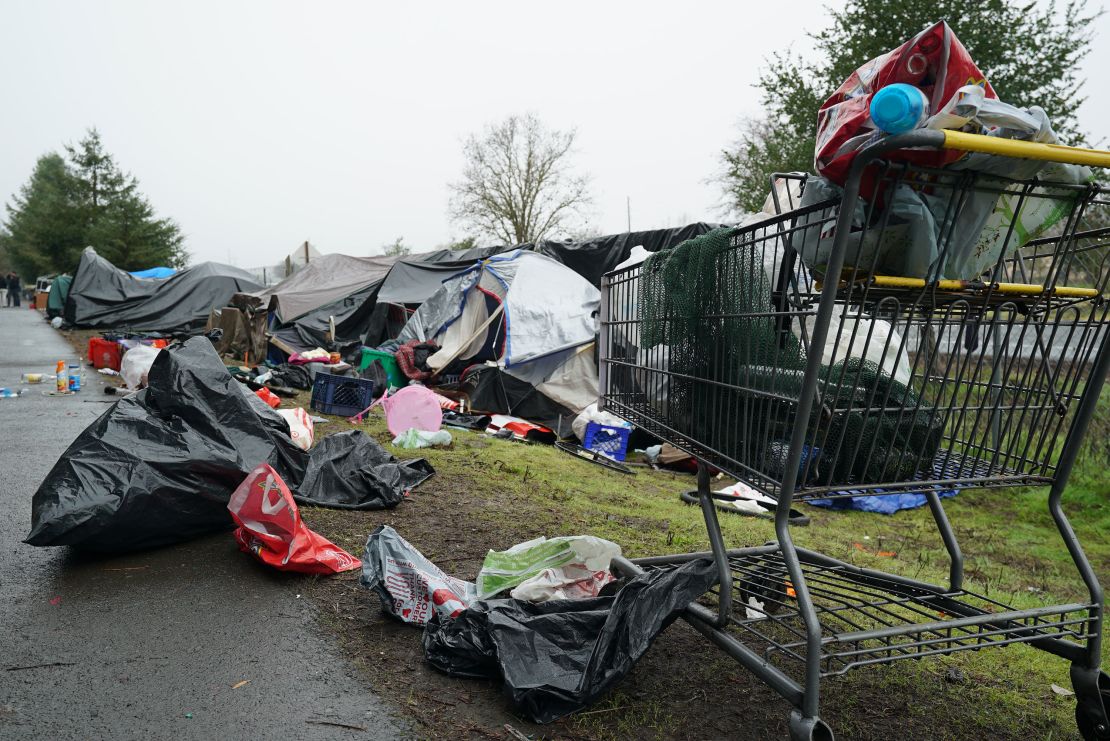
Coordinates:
148 645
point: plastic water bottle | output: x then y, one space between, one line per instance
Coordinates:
6 393
899 108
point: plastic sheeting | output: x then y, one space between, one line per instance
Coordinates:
593 258
558 657
413 280
104 297
321 282
160 465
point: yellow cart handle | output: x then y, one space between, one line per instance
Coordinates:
1025 150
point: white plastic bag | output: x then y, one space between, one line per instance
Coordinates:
593 414
414 438
301 428
136 365
409 585
567 582
525 564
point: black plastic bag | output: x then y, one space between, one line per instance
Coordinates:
159 466
560 656
293 376
351 471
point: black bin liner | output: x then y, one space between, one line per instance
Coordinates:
159 466
559 656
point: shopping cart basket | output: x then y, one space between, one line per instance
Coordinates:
824 378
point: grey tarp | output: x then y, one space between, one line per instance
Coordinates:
104 297
413 280
323 281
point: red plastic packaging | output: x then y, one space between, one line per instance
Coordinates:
105 353
269 397
934 61
270 527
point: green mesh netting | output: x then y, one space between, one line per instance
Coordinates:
736 371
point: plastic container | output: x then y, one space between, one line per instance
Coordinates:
104 353
62 377
6 393
341 395
899 108
393 372
74 375
34 377
413 408
607 440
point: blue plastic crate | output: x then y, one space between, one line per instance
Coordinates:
609 441
342 396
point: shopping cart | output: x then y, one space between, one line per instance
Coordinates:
836 380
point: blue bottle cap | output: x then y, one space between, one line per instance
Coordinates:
897 108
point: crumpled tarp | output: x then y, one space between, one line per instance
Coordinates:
558 657
103 296
160 466
883 504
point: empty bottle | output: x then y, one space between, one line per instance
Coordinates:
899 108
6 393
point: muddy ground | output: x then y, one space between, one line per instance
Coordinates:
490 494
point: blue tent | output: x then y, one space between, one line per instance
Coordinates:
154 273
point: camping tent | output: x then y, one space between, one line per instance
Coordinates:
520 326
103 296
301 308
323 281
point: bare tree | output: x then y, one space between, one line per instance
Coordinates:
517 186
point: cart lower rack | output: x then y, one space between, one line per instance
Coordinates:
740 348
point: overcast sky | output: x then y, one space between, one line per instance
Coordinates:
257 125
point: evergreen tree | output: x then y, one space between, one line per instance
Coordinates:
45 233
87 200
119 221
1029 51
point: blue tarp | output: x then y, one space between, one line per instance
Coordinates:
884 504
154 273
944 467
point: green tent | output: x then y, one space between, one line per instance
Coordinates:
59 291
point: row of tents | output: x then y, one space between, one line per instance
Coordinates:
517 324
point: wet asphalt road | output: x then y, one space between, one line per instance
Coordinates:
147 645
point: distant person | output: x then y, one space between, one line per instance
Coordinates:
14 289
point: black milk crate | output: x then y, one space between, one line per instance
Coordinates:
342 396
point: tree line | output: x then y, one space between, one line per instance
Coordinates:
519 184
83 198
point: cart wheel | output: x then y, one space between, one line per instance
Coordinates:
588 455
809 729
1090 708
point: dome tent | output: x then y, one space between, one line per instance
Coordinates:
521 327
